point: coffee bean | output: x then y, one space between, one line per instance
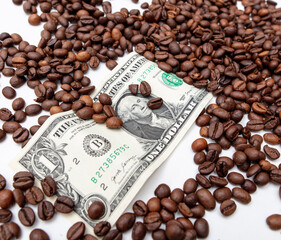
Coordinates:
102 228
152 221
206 168
154 204
145 89
155 103
76 231
34 20
64 204
125 222
33 109
274 221
8 92
162 191
5 215
2 137
23 180
249 186
228 207
105 99
10 230
114 122
218 181
241 195
203 181
18 104
2 182
206 199
262 178
6 198
139 231
235 178
169 204
199 145
5 114
272 153
109 111
201 227
174 230
255 125
271 138
45 210
85 113
222 194
215 130
113 235
34 195
96 210
275 176
134 88
20 135
49 186
177 195
26 216
19 197
140 208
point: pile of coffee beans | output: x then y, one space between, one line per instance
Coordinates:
210 44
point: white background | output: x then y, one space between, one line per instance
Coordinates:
248 222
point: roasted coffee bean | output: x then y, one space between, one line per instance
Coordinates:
114 122
96 210
8 92
23 180
215 130
272 153
19 197
2 182
162 191
64 204
203 181
134 88
203 120
49 186
45 210
145 89
5 215
33 109
201 227
102 228
262 178
241 195
174 230
177 195
228 207
206 168
154 204
105 99
18 104
218 181
19 116
155 103
38 234
169 204
139 231
275 176
222 194
6 198
255 125
26 216
159 235
140 208
125 222
274 221
235 178
76 231
199 145
249 186
206 199
109 111
85 113
34 195
20 135
271 138
2 137
152 221
5 114
113 235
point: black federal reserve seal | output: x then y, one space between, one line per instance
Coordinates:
96 145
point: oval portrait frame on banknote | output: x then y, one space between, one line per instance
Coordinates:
141 121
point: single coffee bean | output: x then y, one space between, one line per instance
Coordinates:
114 123
255 125
45 210
64 204
18 104
105 99
235 178
241 195
49 186
34 195
275 176
152 221
154 204
185 210
109 111
262 178
6 198
271 138
140 208
201 227
2 182
10 230
85 113
33 109
206 199
19 197
206 168
169 204
20 135
2 137
203 181
134 88
23 180
113 235
76 231
96 210
125 222
228 207
218 181
145 89
139 231
174 230
249 186
102 228
199 145
274 221
222 194
26 216
38 234
272 153
162 191
215 130
8 92
5 114
5 215
177 195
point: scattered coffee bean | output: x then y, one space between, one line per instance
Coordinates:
96 210
38 234
64 204
26 216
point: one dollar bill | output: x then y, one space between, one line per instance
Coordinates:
90 162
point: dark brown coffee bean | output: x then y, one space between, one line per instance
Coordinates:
105 99
174 230
259 108
38 234
228 207
125 222
274 221
8 92
235 178
218 181
23 180
159 235
241 195
109 111
64 204
152 221
85 113
134 88
206 168
5 215
96 210
272 153
114 122
76 231
222 194
140 208
162 191
145 89
49 186
177 195
26 216
5 114
33 109
2 182
201 227
20 135
113 235
215 130
271 138
154 204
206 199
19 197
18 104
255 125
102 228
262 178
155 103
199 145
139 231
45 210
203 181
6 198
34 195
249 186
275 176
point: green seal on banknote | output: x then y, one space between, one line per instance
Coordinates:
171 80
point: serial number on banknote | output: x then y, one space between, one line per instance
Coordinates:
109 160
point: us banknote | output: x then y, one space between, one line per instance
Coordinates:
90 162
